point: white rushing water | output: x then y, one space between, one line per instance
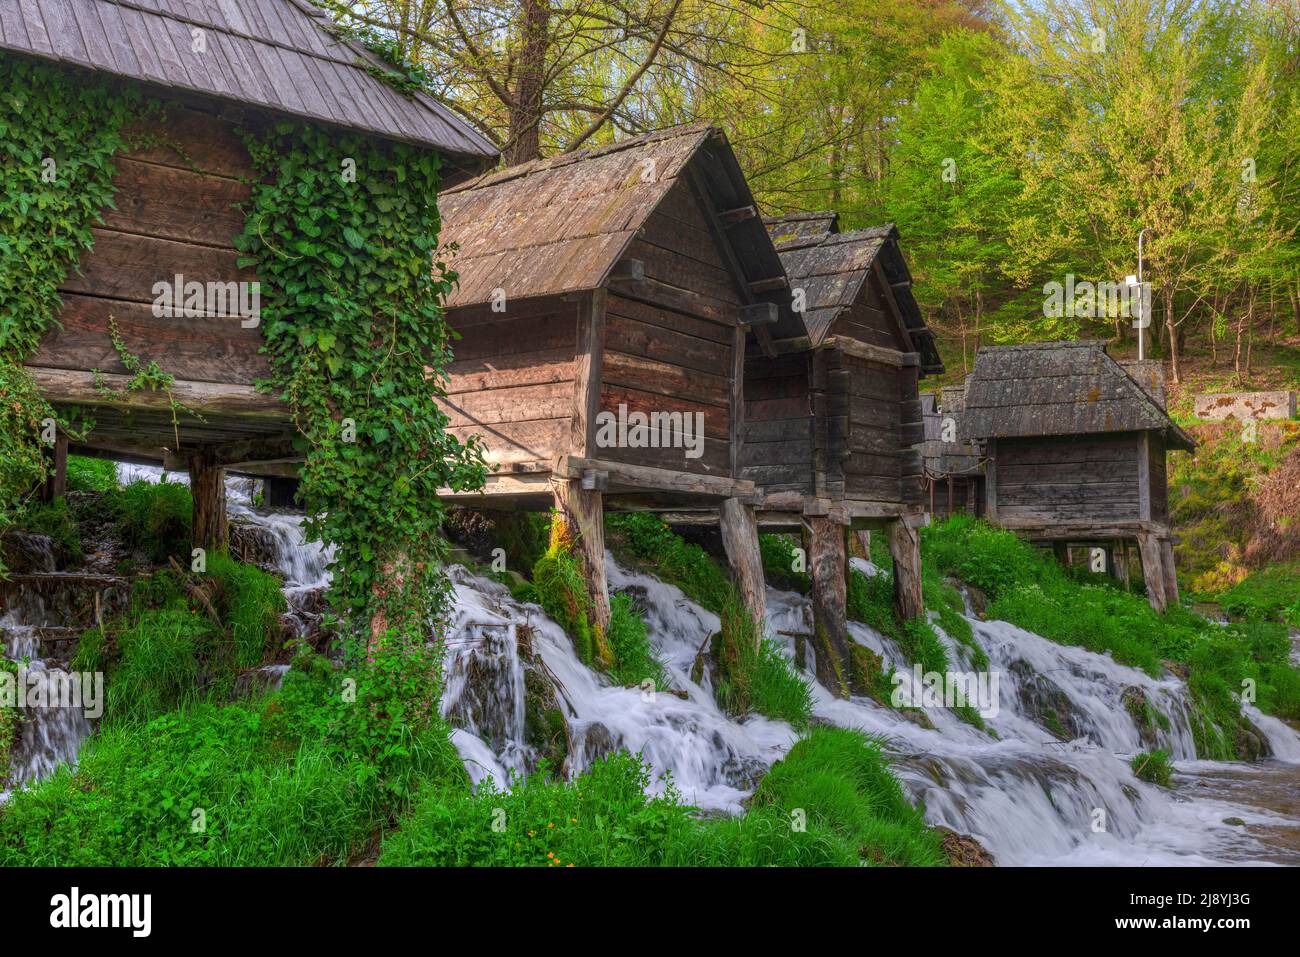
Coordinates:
1024 793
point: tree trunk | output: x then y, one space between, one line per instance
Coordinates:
526 109
739 529
1172 331
208 489
582 512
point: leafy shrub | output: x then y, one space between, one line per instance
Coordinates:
780 559
91 475
250 603
634 658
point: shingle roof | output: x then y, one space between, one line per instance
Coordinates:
559 225
275 54
1059 388
831 268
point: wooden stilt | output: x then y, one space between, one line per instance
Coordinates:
828 568
208 488
863 537
56 483
905 549
1119 561
1153 570
1169 571
583 515
739 527
1062 552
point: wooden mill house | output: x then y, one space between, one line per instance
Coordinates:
177 213
608 301
954 468
831 423
1075 448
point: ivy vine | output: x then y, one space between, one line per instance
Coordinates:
59 134
343 232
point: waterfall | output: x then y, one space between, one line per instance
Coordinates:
1049 783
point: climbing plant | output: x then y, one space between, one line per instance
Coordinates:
343 233
58 138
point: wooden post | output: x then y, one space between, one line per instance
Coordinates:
739 527
56 483
1062 552
1169 571
829 570
863 536
582 512
1152 570
952 503
1119 560
905 549
208 488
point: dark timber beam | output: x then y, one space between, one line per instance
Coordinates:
739 527
828 568
731 217
759 314
905 549
208 489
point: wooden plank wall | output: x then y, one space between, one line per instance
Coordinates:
868 319
1158 478
1068 479
511 381
659 359
777 454
176 213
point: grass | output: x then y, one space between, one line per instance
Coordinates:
91 475
1153 766
754 673
634 658
653 546
1030 590
1272 594
784 564
155 517
832 801
56 520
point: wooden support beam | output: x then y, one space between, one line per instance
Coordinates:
589 359
731 217
1153 570
594 480
218 398
770 284
1169 571
759 314
631 270
864 350
208 489
56 482
739 527
828 568
905 549
582 513
794 344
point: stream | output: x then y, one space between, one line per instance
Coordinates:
1029 796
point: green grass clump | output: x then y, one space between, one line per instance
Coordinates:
155 517
558 586
782 563
1153 766
91 475
157 664
250 603
1273 593
754 673
653 546
283 781
634 657
832 801
9 718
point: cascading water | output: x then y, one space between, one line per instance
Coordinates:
1029 794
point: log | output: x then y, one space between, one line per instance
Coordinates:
1169 571
828 568
739 527
208 488
905 549
582 512
1153 570
56 482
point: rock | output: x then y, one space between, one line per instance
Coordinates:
1045 702
254 545
1250 742
963 850
1234 821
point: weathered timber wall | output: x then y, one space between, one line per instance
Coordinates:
868 319
1068 479
778 449
511 381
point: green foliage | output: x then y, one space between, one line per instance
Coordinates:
1270 593
280 781
652 545
754 673
561 590
157 667
1153 766
779 563
58 137
91 475
9 721
155 517
837 780
352 292
250 603
634 657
